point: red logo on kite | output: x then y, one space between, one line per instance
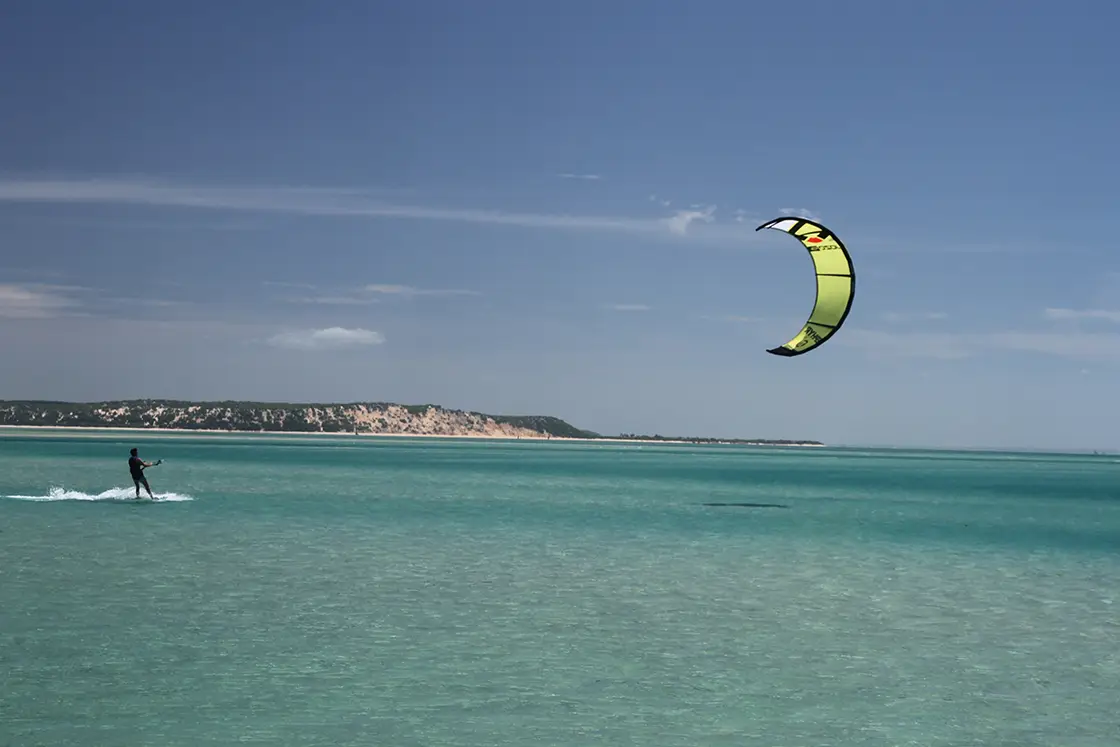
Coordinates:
814 239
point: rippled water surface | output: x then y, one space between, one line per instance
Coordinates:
343 591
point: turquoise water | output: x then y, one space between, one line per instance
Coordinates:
344 591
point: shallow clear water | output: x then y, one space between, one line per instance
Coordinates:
338 591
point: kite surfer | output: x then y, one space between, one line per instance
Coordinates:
136 466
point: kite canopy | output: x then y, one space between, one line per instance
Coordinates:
836 283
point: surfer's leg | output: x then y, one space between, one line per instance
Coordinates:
146 487
136 483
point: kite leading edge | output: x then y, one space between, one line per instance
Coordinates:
836 283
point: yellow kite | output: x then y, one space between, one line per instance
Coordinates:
836 283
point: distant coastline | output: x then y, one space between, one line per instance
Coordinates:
359 419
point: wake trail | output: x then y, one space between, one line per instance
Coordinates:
112 495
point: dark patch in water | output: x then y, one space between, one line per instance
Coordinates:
750 505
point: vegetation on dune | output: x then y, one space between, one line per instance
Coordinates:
546 424
713 440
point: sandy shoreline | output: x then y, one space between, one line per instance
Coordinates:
70 430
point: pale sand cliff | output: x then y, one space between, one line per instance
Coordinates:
355 419
46 430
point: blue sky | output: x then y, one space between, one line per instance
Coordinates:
531 208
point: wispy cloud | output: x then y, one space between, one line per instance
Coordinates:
897 317
11 273
161 303
1075 314
941 346
408 290
587 177
335 300
800 213
53 301
1079 346
331 338
629 307
285 284
680 222
36 301
955 346
369 294
325 202
728 318
119 223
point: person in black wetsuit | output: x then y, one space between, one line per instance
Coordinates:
136 466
